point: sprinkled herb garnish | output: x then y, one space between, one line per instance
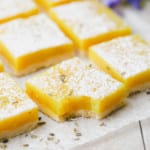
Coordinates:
70 93
26 145
15 102
77 133
147 92
123 73
41 123
57 141
77 139
52 134
90 65
62 78
102 124
41 139
75 130
33 136
50 94
5 140
3 146
76 123
50 138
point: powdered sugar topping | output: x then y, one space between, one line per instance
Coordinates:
76 78
12 99
25 36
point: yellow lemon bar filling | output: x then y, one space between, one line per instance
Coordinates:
32 43
1 66
50 3
126 59
75 88
88 22
18 113
12 9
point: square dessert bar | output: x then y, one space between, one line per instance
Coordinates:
88 22
126 59
50 3
75 88
32 43
12 9
18 113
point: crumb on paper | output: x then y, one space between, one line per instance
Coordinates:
41 139
51 134
148 92
25 145
3 146
33 136
76 139
102 124
57 141
50 138
76 123
77 133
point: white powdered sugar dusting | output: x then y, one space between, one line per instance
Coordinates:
76 78
25 36
10 8
127 55
85 19
12 99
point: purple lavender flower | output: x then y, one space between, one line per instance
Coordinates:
135 3
115 3
112 3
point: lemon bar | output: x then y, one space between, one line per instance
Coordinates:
32 43
12 9
75 88
88 22
18 113
126 59
50 3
